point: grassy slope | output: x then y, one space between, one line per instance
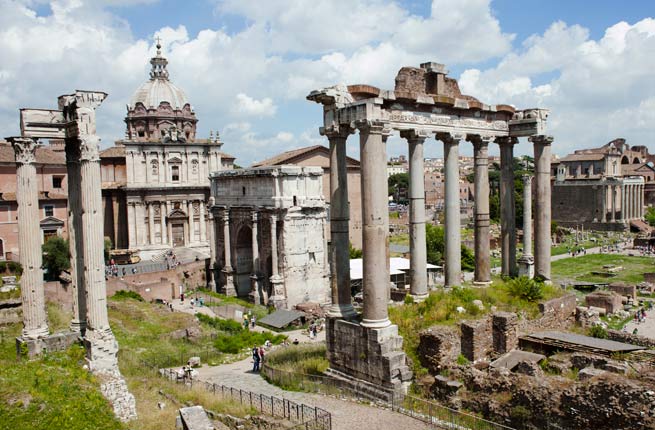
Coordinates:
580 268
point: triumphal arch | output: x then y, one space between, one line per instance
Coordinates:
424 103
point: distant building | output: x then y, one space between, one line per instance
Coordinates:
604 188
53 194
156 180
395 169
319 155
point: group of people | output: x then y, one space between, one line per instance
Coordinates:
575 252
171 260
249 320
258 354
187 372
112 270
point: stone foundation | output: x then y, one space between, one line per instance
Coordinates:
629 291
102 359
31 348
610 301
370 355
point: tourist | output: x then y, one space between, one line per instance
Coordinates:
262 353
255 358
253 320
635 331
268 344
245 321
296 342
191 301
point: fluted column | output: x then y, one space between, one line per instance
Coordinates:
75 238
254 275
131 226
453 253
542 158
211 275
507 206
417 248
229 289
526 262
339 225
279 297
375 223
202 222
35 324
162 220
481 212
151 223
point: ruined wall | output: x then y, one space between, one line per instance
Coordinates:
607 300
11 311
476 340
624 290
504 332
633 339
438 346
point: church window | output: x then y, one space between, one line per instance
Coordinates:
175 173
57 181
49 210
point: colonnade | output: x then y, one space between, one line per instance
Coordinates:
631 202
148 224
375 216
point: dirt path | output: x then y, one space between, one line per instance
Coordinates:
346 415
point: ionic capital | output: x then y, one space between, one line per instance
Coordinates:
89 148
24 149
336 131
450 138
415 134
541 139
506 140
373 127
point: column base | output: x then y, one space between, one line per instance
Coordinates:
278 299
78 326
228 287
481 284
381 323
418 298
255 290
526 266
37 333
31 348
346 312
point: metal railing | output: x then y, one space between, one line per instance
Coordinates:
437 416
306 417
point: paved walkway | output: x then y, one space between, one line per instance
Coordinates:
346 415
646 328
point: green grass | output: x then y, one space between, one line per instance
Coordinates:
399 239
215 299
233 338
305 359
13 294
580 268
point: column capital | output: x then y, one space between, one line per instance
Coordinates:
506 140
527 180
450 137
478 139
336 131
373 127
255 216
413 134
273 218
24 149
225 216
541 139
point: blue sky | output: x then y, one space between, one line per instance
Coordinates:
247 65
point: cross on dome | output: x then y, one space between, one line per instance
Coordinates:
159 64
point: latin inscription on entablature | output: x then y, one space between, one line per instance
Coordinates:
399 119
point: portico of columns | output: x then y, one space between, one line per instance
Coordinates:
35 323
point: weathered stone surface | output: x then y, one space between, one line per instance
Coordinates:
476 339
504 332
50 343
438 347
589 372
194 361
629 291
610 301
195 418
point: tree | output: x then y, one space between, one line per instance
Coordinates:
650 215
56 256
354 252
435 242
397 181
107 248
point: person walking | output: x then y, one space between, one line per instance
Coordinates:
255 358
253 320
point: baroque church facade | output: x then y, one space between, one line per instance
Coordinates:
156 180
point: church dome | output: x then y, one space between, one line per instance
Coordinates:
152 93
158 89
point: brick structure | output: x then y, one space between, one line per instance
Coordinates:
629 291
476 339
608 300
504 332
438 346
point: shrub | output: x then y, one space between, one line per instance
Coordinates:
526 289
125 295
462 360
14 267
56 256
229 326
598 331
408 299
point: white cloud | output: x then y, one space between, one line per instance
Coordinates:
249 106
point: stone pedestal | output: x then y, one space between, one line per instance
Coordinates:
228 276
372 355
228 282
526 266
278 299
30 348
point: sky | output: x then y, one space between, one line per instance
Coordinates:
246 65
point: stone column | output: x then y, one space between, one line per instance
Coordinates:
75 239
482 275
228 288
622 213
417 249
211 275
151 222
278 298
191 230
641 201
35 324
613 203
507 206
162 221
526 262
202 222
375 223
131 231
603 202
339 229
542 158
115 210
453 253
254 276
